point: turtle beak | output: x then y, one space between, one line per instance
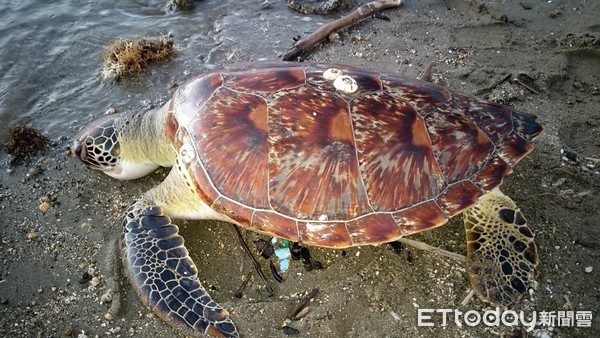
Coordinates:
77 150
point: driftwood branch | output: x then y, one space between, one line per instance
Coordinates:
365 11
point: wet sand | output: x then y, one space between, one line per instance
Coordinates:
364 292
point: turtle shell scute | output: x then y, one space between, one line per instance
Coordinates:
283 152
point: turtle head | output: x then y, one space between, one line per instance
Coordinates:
110 144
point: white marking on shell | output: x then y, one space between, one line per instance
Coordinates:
332 74
345 84
187 153
323 218
317 230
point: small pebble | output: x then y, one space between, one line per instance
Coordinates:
295 251
588 269
107 297
397 247
265 5
542 333
85 277
317 265
305 253
334 37
108 316
68 332
569 155
44 206
115 330
95 281
265 249
289 331
32 172
555 14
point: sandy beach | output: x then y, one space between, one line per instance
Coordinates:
61 272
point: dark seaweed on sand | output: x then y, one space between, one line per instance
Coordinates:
23 141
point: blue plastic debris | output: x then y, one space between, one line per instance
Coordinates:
284 258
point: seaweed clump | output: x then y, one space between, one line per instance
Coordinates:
24 140
125 57
182 5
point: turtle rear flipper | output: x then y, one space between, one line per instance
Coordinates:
165 277
501 253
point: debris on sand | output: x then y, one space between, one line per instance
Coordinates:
24 140
528 82
555 13
323 7
182 5
133 56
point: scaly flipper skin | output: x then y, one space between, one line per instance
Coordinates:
501 253
165 277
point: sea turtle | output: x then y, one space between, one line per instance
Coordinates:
324 155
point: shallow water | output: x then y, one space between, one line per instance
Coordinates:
51 54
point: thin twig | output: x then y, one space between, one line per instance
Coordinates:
303 302
304 45
467 298
256 264
527 82
494 85
426 73
429 248
569 304
240 291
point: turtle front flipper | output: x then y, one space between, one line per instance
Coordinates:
165 277
501 253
